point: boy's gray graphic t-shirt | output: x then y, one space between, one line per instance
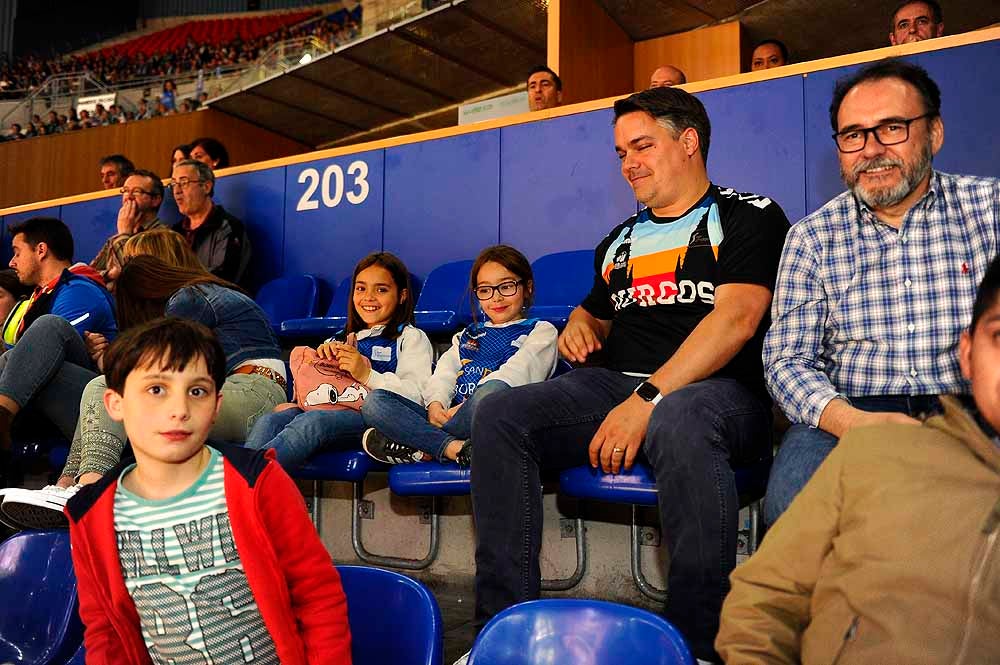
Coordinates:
185 577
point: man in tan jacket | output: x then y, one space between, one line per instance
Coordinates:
889 553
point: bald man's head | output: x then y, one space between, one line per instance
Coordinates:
667 76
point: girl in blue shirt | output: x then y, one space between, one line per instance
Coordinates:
504 351
390 355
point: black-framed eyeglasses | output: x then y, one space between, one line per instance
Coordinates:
890 132
135 191
503 288
182 183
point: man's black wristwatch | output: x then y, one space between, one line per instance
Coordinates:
649 392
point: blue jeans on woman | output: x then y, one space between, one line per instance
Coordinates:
46 372
405 421
803 449
296 435
696 436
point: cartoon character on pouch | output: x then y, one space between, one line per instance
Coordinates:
326 393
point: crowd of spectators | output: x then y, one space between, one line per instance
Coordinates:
22 75
204 59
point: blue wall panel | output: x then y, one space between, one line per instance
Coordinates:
757 133
91 222
442 199
970 106
561 186
327 240
258 200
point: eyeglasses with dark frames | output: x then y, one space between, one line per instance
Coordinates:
486 292
891 132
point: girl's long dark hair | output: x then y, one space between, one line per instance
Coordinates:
146 284
401 278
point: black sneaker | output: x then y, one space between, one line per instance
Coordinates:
385 450
464 456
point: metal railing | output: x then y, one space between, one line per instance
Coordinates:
278 59
61 91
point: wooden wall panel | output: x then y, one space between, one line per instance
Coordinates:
701 54
49 167
591 53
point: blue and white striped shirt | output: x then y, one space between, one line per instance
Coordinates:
863 309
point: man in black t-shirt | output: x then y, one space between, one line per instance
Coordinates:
678 311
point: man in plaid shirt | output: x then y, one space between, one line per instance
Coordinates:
875 287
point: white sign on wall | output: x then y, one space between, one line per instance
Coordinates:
90 102
490 109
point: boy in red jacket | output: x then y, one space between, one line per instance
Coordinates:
196 554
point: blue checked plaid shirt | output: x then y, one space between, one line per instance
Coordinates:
863 309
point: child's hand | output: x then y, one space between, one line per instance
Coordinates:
437 414
351 361
96 344
453 410
327 350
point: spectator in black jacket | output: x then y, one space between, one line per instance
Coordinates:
219 239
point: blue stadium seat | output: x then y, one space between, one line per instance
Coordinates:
376 597
39 623
48 446
288 298
581 632
444 306
429 479
562 281
638 488
323 326
349 466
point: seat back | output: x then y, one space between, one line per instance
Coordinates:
581 632
342 296
294 297
375 596
444 305
341 299
39 623
562 281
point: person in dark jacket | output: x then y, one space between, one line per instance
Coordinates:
219 239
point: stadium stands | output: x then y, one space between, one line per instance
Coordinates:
213 32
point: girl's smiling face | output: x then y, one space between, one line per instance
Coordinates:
376 296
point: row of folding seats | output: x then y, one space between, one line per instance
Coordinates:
443 306
443 303
212 32
40 624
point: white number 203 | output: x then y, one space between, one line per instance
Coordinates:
331 186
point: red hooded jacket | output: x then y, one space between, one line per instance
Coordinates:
289 571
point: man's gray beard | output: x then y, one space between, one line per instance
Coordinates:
878 199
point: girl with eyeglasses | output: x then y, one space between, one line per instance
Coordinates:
504 351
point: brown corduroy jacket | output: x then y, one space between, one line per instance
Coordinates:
889 555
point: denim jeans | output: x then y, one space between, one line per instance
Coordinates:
405 421
695 436
99 441
803 449
46 372
296 434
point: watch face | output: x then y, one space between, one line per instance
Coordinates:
647 391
